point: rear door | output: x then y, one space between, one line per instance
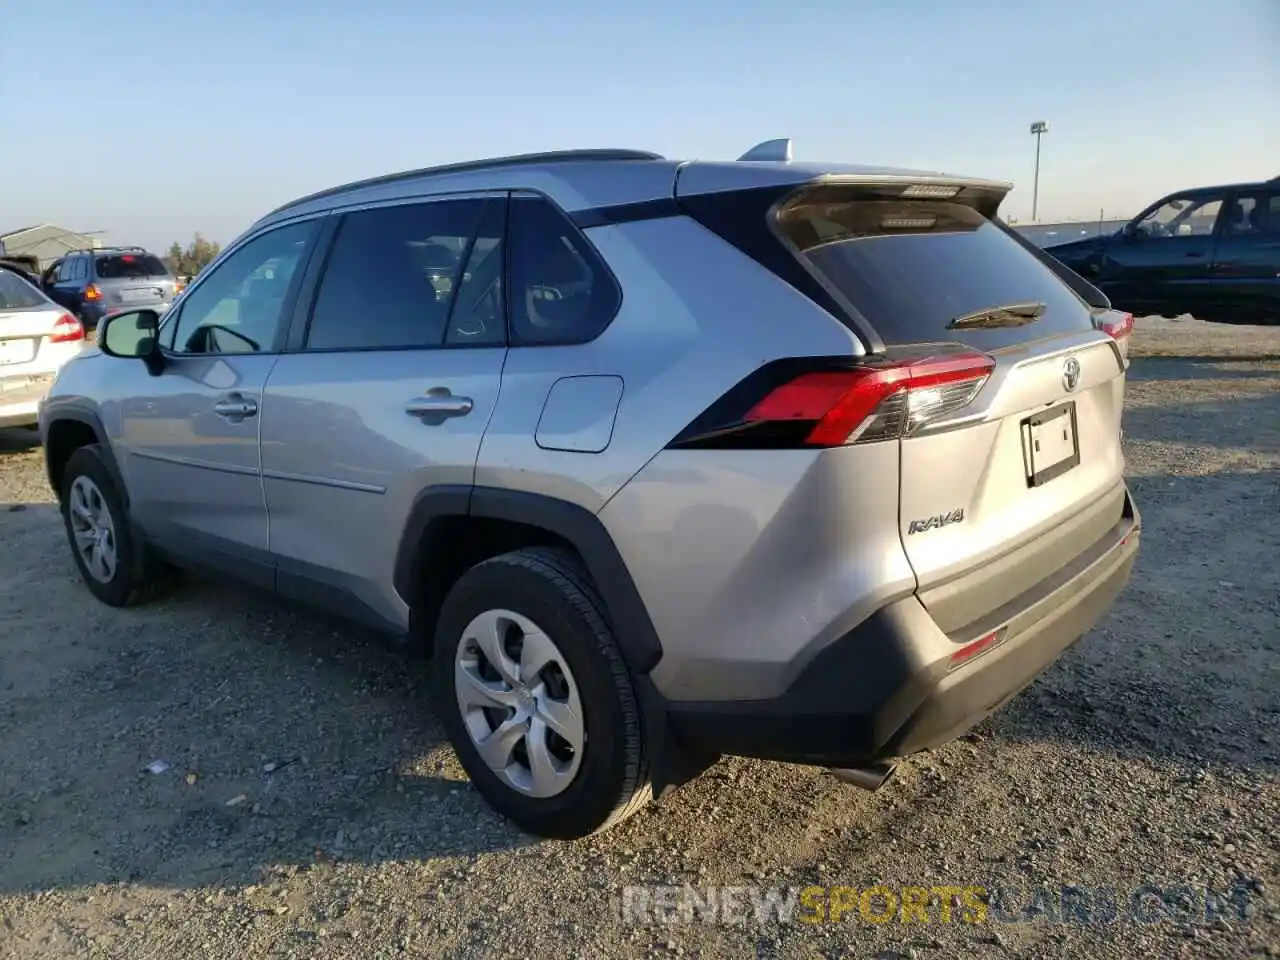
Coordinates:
1244 284
1030 468
386 392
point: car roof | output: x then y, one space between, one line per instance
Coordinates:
1272 184
580 180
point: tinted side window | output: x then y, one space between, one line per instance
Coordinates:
79 269
392 274
1254 214
561 291
1182 217
239 307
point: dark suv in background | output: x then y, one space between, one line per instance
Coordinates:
93 284
1213 252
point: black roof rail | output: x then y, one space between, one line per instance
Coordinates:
520 159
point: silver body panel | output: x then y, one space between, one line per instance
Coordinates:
749 563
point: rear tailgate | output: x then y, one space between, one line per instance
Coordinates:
133 279
1002 493
26 319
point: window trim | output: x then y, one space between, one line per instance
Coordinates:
173 316
300 325
1221 194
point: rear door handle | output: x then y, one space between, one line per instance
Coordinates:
437 405
235 407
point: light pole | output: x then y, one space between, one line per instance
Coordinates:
1038 129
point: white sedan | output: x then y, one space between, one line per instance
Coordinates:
36 338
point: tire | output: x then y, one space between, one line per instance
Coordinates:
133 576
606 778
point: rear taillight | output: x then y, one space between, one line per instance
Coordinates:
1116 324
66 330
832 406
91 292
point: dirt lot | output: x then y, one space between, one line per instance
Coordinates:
311 809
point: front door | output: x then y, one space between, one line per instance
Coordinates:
397 368
190 434
1160 263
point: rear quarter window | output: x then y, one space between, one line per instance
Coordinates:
561 291
911 267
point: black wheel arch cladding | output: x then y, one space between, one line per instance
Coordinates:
575 525
106 453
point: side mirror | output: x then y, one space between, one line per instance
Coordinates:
135 334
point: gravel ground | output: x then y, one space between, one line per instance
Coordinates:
310 807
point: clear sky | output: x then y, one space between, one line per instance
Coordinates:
152 120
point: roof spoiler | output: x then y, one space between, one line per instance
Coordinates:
777 151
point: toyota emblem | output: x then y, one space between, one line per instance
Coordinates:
1071 374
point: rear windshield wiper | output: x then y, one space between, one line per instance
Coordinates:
1008 315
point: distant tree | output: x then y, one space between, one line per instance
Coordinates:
174 259
188 261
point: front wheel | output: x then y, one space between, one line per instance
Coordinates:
113 565
536 697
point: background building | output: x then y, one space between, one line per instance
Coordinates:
46 242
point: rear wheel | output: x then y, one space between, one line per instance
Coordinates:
114 566
536 697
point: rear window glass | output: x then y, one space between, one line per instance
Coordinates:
124 265
912 267
17 294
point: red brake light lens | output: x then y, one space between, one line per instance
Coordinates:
67 329
880 400
91 292
1117 325
876 402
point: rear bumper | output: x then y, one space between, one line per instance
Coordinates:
20 406
888 688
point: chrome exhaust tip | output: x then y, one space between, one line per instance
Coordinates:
871 777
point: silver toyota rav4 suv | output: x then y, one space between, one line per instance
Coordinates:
659 460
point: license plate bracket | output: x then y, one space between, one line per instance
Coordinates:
1050 444
17 350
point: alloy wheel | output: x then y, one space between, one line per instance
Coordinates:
519 703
